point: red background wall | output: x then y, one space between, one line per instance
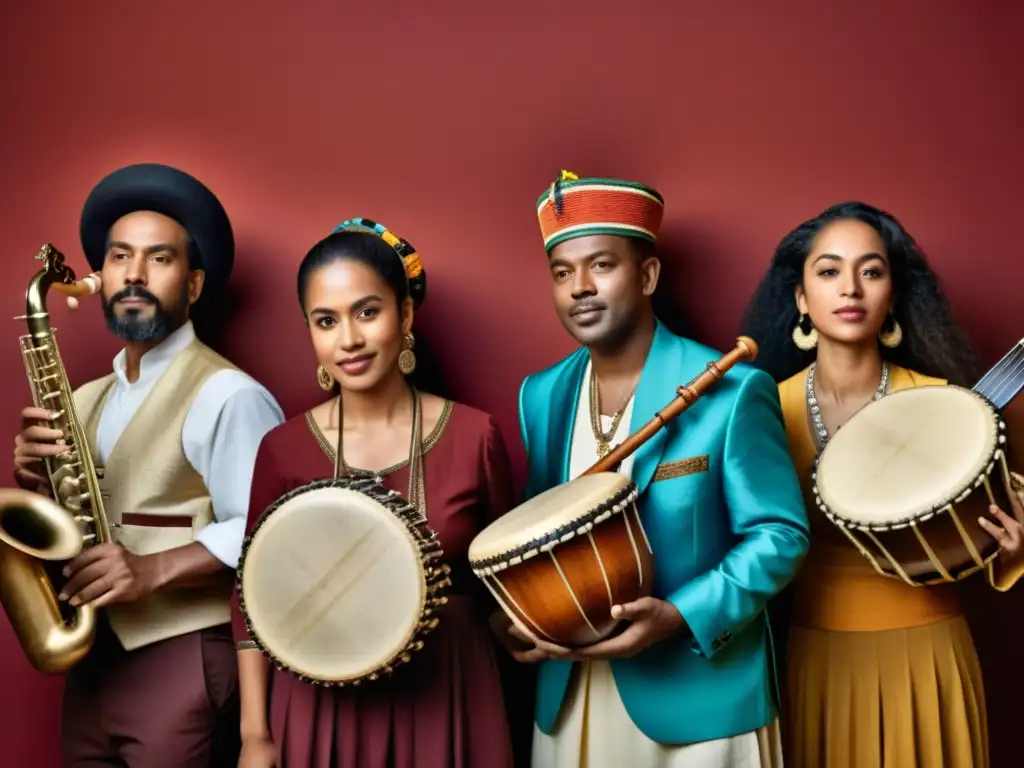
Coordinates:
447 123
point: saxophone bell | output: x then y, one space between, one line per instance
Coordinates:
37 526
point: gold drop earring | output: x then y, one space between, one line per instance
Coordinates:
407 358
892 337
324 379
805 335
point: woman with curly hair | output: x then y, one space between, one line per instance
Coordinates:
878 673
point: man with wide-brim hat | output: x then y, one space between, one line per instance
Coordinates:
687 681
174 431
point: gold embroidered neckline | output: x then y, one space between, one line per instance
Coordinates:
428 443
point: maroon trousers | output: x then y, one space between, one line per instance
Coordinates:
173 704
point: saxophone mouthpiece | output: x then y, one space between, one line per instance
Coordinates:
90 284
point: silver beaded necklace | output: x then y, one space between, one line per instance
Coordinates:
820 431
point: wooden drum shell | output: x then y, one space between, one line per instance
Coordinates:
558 563
608 566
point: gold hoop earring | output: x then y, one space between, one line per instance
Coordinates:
893 337
805 335
324 379
407 358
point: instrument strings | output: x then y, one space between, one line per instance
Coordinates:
1005 379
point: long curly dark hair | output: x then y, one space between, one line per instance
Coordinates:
933 344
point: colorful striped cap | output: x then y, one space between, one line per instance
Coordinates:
574 207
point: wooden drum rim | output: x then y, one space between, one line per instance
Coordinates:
421 537
991 457
580 525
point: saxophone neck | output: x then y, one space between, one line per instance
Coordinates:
54 274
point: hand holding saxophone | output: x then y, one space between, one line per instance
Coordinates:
109 573
35 443
103 574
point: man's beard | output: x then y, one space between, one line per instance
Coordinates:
131 327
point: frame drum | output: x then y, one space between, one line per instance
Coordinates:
559 562
338 583
908 476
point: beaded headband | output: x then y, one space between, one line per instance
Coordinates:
410 258
574 207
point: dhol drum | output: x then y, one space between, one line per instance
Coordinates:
559 562
340 580
908 476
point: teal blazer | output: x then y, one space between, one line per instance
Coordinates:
726 520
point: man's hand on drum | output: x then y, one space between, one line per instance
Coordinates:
36 442
649 621
1011 535
522 647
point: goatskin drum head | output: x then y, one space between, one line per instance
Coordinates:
333 584
906 455
546 512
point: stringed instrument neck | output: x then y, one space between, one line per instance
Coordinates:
1005 380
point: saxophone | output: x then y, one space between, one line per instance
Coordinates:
37 532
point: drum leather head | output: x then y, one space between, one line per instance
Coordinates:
906 455
333 584
540 516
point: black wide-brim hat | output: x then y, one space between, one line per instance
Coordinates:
161 189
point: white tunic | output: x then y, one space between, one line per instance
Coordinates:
594 730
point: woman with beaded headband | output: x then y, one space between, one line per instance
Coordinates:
359 288
877 672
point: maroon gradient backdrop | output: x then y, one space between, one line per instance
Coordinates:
446 123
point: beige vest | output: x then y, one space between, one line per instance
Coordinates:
154 499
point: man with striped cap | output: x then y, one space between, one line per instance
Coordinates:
688 682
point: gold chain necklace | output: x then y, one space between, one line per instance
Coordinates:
603 438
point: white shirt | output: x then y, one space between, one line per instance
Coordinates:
221 434
583 449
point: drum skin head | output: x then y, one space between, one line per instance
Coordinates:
545 512
333 584
906 455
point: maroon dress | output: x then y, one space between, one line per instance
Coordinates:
445 709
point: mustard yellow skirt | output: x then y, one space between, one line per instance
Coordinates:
902 698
